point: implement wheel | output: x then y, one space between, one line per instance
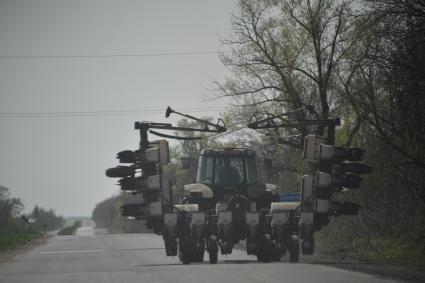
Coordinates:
185 251
200 251
294 249
265 249
213 250
307 246
213 257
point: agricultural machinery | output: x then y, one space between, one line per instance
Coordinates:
230 203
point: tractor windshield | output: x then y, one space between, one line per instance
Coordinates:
227 170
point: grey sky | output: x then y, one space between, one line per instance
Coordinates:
59 162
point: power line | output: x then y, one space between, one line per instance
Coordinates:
189 53
69 115
201 108
101 113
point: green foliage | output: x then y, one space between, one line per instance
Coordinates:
363 65
345 236
390 226
45 220
15 229
106 214
10 241
12 222
395 251
10 208
67 231
70 230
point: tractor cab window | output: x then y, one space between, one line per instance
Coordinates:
251 170
228 171
205 172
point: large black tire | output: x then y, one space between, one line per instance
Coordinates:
276 253
294 249
185 251
200 251
265 249
251 247
227 247
260 256
307 247
213 256
171 247
213 250
184 257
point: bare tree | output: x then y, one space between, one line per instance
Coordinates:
387 87
387 90
285 55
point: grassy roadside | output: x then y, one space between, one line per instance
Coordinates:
393 251
377 250
383 257
346 239
70 230
10 241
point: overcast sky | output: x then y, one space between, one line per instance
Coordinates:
58 160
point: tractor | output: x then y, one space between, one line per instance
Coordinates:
230 203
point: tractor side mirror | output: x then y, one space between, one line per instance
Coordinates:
267 164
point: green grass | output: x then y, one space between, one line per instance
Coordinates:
395 251
67 231
70 230
374 249
10 241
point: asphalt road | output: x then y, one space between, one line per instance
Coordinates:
94 256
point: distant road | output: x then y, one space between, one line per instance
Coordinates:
90 257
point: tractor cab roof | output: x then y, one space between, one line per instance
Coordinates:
228 151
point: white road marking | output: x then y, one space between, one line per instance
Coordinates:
65 252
